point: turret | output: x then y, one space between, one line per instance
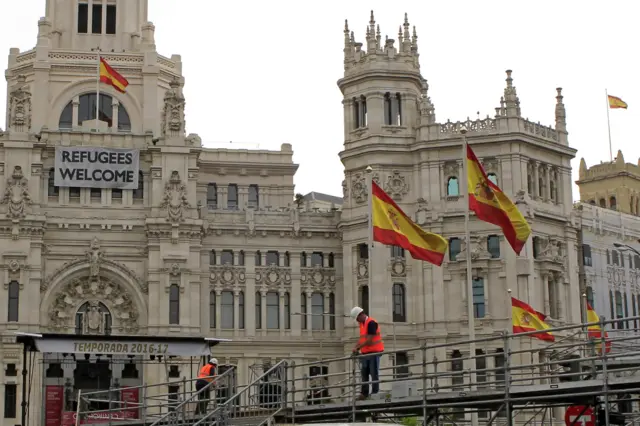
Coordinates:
384 93
582 171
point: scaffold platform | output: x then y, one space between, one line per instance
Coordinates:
509 377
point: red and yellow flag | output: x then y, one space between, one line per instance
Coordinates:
391 226
595 332
525 319
490 204
616 102
111 77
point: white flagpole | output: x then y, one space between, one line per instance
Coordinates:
467 233
606 95
369 181
98 93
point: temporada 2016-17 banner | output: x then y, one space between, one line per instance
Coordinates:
96 167
56 416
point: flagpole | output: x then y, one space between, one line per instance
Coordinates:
97 92
606 94
369 181
467 233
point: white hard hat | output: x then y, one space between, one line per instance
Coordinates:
357 310
213 361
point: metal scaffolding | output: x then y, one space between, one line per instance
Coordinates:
518 378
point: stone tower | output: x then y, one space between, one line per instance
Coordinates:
63 66
390 125
614 185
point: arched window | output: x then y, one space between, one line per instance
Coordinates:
493 178
399 303
453 190
174 304
52 189
612 203
602 202
478 297
86 111
138 193
212 257
93 318
226 310
619 310
317 311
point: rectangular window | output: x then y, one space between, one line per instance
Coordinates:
332 311
116 194
273 258
111 19
397 251
455 245
212 196
74 192
10 401
226 257
586 255
478 297
363 251
83 18
14 302
258 310
317 258
481 364
11 370
96 19
493 246
241 311
173 392
401 365
273 310
317 311
174 304
226 310
232 197
96 193
303 310
457 376
254 199
212 309
287 311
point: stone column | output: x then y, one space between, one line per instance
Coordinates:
536 180
296 293
558 287
309 317
545 289
282 293
250 294
114 115
326 320
74 120
547 182
236 311
263 311
218 293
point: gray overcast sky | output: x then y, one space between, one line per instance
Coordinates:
264 73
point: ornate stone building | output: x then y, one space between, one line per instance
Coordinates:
211 242
612 184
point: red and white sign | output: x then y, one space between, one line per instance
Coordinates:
581 415
69 417
53 404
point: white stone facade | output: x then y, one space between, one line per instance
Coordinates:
212 244
611 274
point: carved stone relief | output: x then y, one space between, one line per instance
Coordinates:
227 276
362 269
478 249
16 195
94 256
20 106
398 267
272 277
551 250
422 214
345 190
173 122
175 198
396 186
318 278
359 188
451 169
123 310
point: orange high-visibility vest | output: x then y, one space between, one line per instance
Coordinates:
376 344
206 372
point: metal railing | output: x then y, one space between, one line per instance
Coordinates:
515 376
256 403
168 403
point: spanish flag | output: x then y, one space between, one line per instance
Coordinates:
616 102
490 204
525 319
391 226
111 77
594 332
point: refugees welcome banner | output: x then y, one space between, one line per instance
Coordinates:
94 167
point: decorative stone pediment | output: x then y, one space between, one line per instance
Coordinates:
16 195
93 264
318 279
551 251
227 275
175 199
74 294
396 185
478 249
173 122
20 106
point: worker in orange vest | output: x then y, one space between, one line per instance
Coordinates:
370 343
205 377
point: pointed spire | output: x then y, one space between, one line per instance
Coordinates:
582 170
561 114
371 35
619 158
400 38
348 43
414 41
511 101
378 37
405 46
